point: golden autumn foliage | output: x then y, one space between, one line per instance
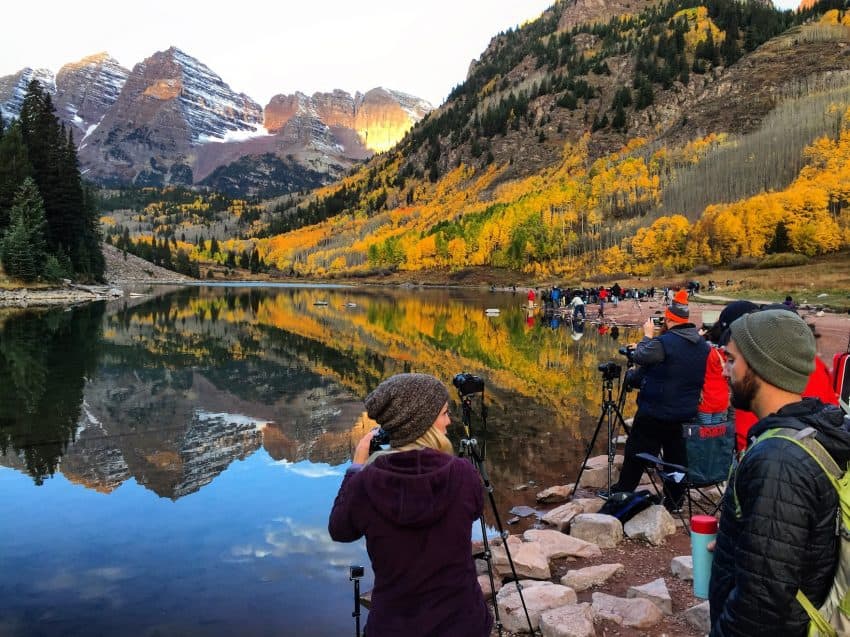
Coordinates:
577 214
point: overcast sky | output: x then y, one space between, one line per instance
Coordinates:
263 48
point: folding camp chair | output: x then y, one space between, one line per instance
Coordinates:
710 450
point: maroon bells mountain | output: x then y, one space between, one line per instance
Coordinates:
172 120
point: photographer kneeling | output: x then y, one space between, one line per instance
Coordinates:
670 374
415 504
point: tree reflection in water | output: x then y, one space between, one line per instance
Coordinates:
44 360
273 355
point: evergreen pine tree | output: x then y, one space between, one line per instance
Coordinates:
23 250
72 222
14 168
619 121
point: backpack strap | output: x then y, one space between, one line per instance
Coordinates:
804 438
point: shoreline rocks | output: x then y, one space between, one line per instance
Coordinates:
70 294
564 598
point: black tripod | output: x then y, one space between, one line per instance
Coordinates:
354 575
611 416
469 449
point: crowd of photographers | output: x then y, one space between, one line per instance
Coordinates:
757 367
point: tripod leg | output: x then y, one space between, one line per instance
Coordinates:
589 449
502 533
356 612
488 557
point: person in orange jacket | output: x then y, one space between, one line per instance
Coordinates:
819 385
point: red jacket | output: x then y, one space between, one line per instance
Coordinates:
715 388
819 386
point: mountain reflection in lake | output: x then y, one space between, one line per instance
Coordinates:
167 464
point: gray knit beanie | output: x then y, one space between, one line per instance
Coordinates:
778 346
406 405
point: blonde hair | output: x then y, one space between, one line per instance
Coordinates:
431 439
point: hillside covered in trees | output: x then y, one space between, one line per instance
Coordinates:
688 133
48 220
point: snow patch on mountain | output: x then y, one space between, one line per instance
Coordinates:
211 108
13 88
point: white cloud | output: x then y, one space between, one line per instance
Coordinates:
307 469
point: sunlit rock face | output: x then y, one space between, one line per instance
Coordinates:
14 87
87 89
379 118
383 117
173 121
169 104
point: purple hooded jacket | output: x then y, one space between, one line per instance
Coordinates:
416 509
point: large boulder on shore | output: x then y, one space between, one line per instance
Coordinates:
556 544
573 620
538 596
605 531
528 557
559 493
655 591
654 525
581 579
637 613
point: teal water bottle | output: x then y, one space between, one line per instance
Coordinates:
703 531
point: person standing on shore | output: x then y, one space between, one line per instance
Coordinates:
669 374
778 526
415 504
578 307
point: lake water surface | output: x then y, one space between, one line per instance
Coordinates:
167 463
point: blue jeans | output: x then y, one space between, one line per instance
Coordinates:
716 418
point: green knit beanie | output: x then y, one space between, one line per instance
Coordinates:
778 346
406 405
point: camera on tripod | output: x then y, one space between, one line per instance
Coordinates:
380 440
467 383
610 370
629 352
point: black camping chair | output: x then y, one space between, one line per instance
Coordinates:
710 450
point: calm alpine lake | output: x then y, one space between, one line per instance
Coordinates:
168 462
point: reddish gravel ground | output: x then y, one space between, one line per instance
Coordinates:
644 563
834 329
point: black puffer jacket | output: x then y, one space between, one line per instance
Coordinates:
785 536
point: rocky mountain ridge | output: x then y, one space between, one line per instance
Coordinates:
172 120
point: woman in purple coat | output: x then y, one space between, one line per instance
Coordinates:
415 504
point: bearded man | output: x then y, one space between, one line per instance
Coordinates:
778 527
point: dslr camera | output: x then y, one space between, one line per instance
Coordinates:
467 383
379 440
610 370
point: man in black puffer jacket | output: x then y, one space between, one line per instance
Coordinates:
778 526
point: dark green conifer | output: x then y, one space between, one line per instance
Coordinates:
23 248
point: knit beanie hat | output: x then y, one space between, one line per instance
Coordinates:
778 346
719 332
406 405
679 312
